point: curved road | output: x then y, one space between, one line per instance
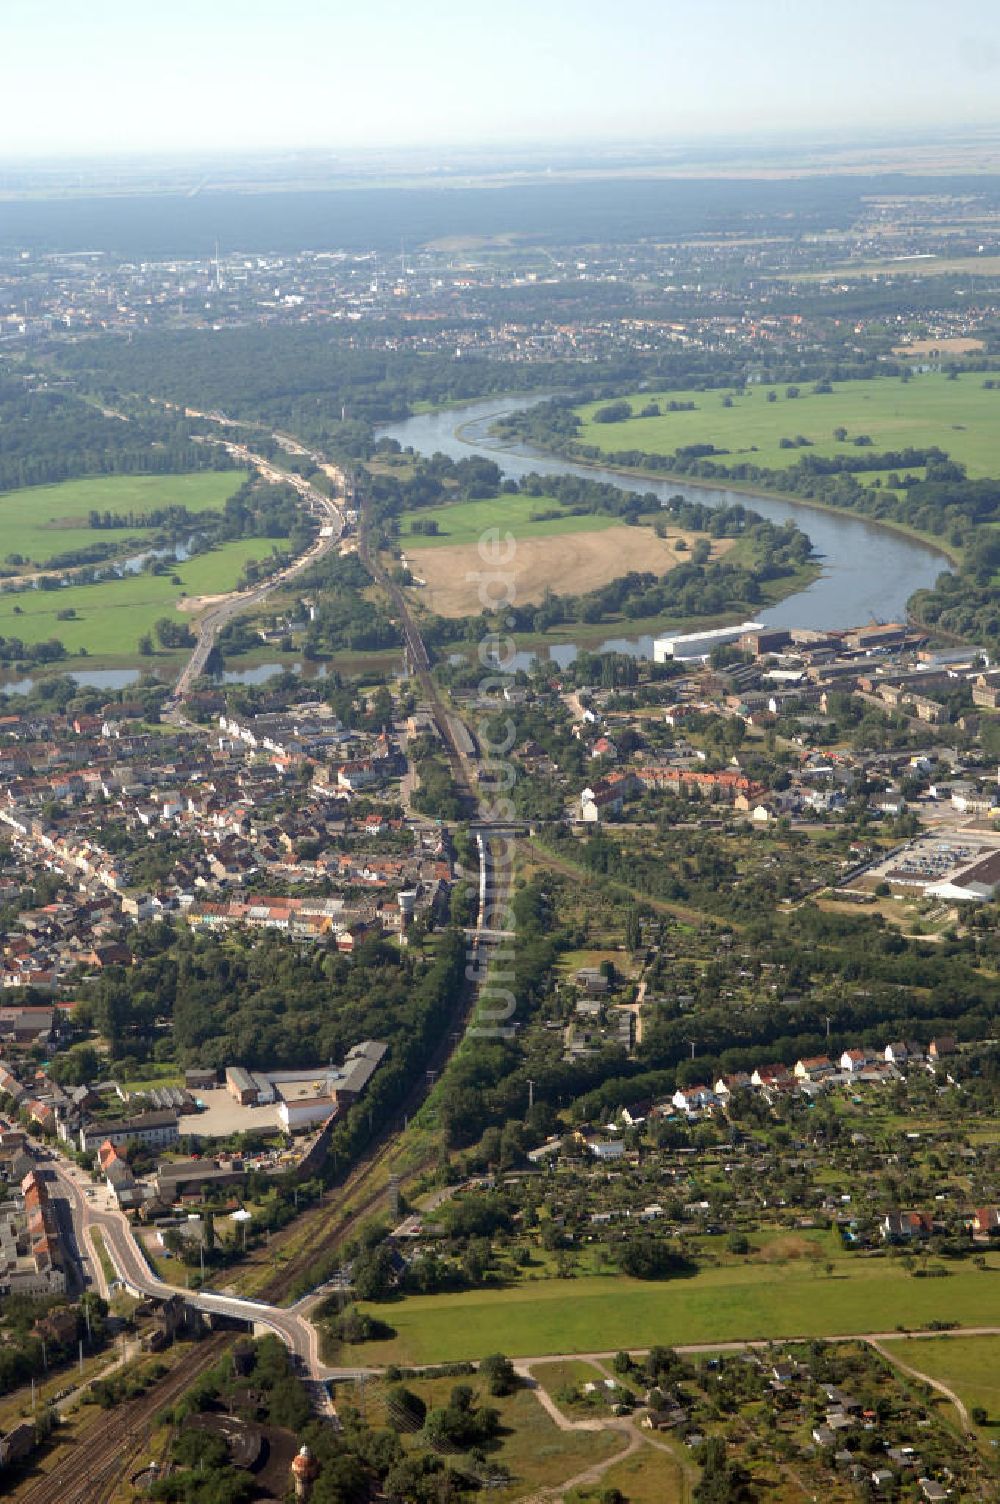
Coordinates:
295 1330
218 615
299 1334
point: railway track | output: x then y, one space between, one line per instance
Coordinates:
335 1230
90 1473
459 759
96 1464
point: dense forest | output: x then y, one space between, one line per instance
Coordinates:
154 226
302 378
355 1460
49 434
317 382
257 1001
344 618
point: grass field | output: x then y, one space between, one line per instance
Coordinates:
566 554
110 1272
959 416
601 1313
537 1453
153 1076
41 522
908 266
566 1374
466 521
111 617
652 1476
969 1365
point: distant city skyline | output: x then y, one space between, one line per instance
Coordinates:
98 77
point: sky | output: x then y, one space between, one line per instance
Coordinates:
99 77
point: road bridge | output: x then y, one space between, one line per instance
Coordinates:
331 518
132 1268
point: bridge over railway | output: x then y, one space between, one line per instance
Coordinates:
329 513
493 842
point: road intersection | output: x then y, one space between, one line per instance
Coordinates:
88 1215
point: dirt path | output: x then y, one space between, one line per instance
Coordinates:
636 1011
636 1439
552 1410
626 1428
925 1378
576 871
195 603
595 1472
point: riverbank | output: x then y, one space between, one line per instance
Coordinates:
773 593
868 569
635 634
952 555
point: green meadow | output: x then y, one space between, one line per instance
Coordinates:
969 1365
735 1302
40 522
109 618
961 417
536 1453
466 521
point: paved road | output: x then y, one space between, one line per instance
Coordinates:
761 1344
93 1213
296 1330
331 517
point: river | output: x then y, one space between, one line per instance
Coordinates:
868 571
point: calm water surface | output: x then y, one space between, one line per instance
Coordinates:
868 571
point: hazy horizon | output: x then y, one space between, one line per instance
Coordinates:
179 80
708 144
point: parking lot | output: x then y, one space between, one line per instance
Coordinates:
932 859
224 1116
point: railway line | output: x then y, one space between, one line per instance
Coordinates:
331 517
458 743
92 1468
460 748
93 1481
334 1231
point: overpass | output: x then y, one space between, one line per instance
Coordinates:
331 518
291 1325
